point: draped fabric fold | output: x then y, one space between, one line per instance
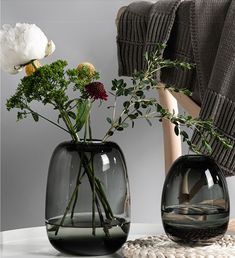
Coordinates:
140 26
196 31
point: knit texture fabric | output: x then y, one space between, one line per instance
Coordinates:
196 31
179 46
140 26
217 76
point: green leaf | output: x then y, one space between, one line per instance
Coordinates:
139 93
109 120
176 129
137 105
124 84
181 120
114 83
83 110
110 133
19 116
72 115
120 92
132 116
207 146
190 143
159 108
126 104
126 92
68 103
119 128
185 135
207 126
187 92
35 117
120 82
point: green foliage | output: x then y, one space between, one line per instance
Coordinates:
49 85
46 85
83 111
138 106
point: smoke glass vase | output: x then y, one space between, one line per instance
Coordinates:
87 199
195 201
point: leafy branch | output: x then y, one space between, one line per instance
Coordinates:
50 85
138 106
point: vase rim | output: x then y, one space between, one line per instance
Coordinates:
92 141
196 156
94 145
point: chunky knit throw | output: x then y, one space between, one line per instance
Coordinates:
196 31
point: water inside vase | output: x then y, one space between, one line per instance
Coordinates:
75 236
201 223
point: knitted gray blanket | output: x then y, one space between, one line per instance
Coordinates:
196 31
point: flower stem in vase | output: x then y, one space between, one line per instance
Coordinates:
100 192
97 191
68 206
78 182
98 196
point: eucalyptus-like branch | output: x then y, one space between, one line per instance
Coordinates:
138 106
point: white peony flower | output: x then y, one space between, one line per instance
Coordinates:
21 44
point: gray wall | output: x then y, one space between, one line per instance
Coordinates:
83 30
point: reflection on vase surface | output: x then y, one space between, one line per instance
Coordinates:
195 202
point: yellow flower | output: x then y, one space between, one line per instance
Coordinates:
90 67
31 68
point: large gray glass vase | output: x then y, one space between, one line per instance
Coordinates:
195 201
87 199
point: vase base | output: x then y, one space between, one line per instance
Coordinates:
79 240
195 224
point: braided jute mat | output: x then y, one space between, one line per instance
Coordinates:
162 247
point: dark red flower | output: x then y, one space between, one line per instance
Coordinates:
96 90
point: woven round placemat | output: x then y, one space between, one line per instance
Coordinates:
162 247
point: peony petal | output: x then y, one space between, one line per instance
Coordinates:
50 48
21 44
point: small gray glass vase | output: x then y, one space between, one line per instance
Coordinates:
195 201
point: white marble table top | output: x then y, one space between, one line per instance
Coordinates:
33 242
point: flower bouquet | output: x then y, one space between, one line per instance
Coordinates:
25 44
